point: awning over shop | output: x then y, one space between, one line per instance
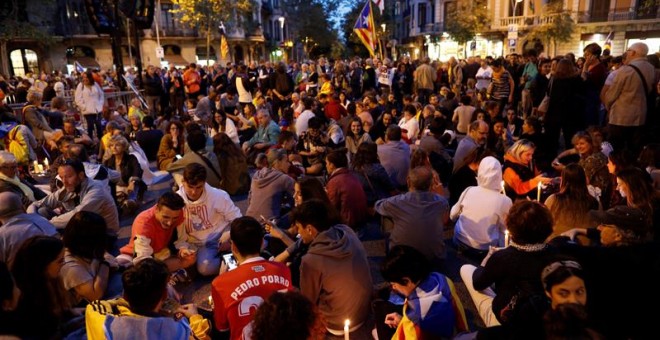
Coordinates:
642 34
87 62
176 59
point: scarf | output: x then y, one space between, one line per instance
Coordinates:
24 188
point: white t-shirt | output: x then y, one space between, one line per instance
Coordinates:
411 126
484 76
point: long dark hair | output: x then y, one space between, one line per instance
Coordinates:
573 198
85 235
223 146
367 153
641 194
38 291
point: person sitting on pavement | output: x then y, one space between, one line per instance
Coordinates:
197 153
283 307
89 273
78 193
313 147
229 290
480 212
79 136
36 120
334 272
137 314
419 217
476 137
411 277
9 180
129 189
233 165
153 231
17 226
345 190
149 138
269 185
394 155
507 277
207 214
266 135
618 226
172 145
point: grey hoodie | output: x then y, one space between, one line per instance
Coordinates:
335 275
268 186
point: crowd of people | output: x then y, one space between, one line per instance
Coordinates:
544 170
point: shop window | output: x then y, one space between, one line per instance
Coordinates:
24 61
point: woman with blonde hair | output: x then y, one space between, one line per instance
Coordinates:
521 176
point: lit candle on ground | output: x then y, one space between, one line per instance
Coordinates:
36 167
538 192
210 301
347 325
46 164
41 168
506 238
503 190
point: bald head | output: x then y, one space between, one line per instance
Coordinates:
636 51
10 205
420 179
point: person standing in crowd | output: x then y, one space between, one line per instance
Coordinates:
502 86
207 213
625 100
153 86
335 272
425 76
192 81
233 300
89 99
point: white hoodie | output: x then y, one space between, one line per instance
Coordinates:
481 210
205 219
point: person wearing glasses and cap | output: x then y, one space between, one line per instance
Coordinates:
619 226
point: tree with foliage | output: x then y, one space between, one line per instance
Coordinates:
309 25
467 19
207 15
15 20
555 25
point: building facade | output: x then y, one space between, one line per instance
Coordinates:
420 27
72 39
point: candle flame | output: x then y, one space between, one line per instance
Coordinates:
347 323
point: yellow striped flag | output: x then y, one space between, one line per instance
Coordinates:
224 47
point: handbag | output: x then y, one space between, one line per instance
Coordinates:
545 103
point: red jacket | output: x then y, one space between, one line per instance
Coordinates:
347 196
334 110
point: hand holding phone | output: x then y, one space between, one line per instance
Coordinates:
230 261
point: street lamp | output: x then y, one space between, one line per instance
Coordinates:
281 19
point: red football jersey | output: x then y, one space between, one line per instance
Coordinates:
237 294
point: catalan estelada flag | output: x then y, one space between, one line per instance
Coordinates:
365 29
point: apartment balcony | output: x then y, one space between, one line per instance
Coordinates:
433 28
177 32
524 21
619 15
